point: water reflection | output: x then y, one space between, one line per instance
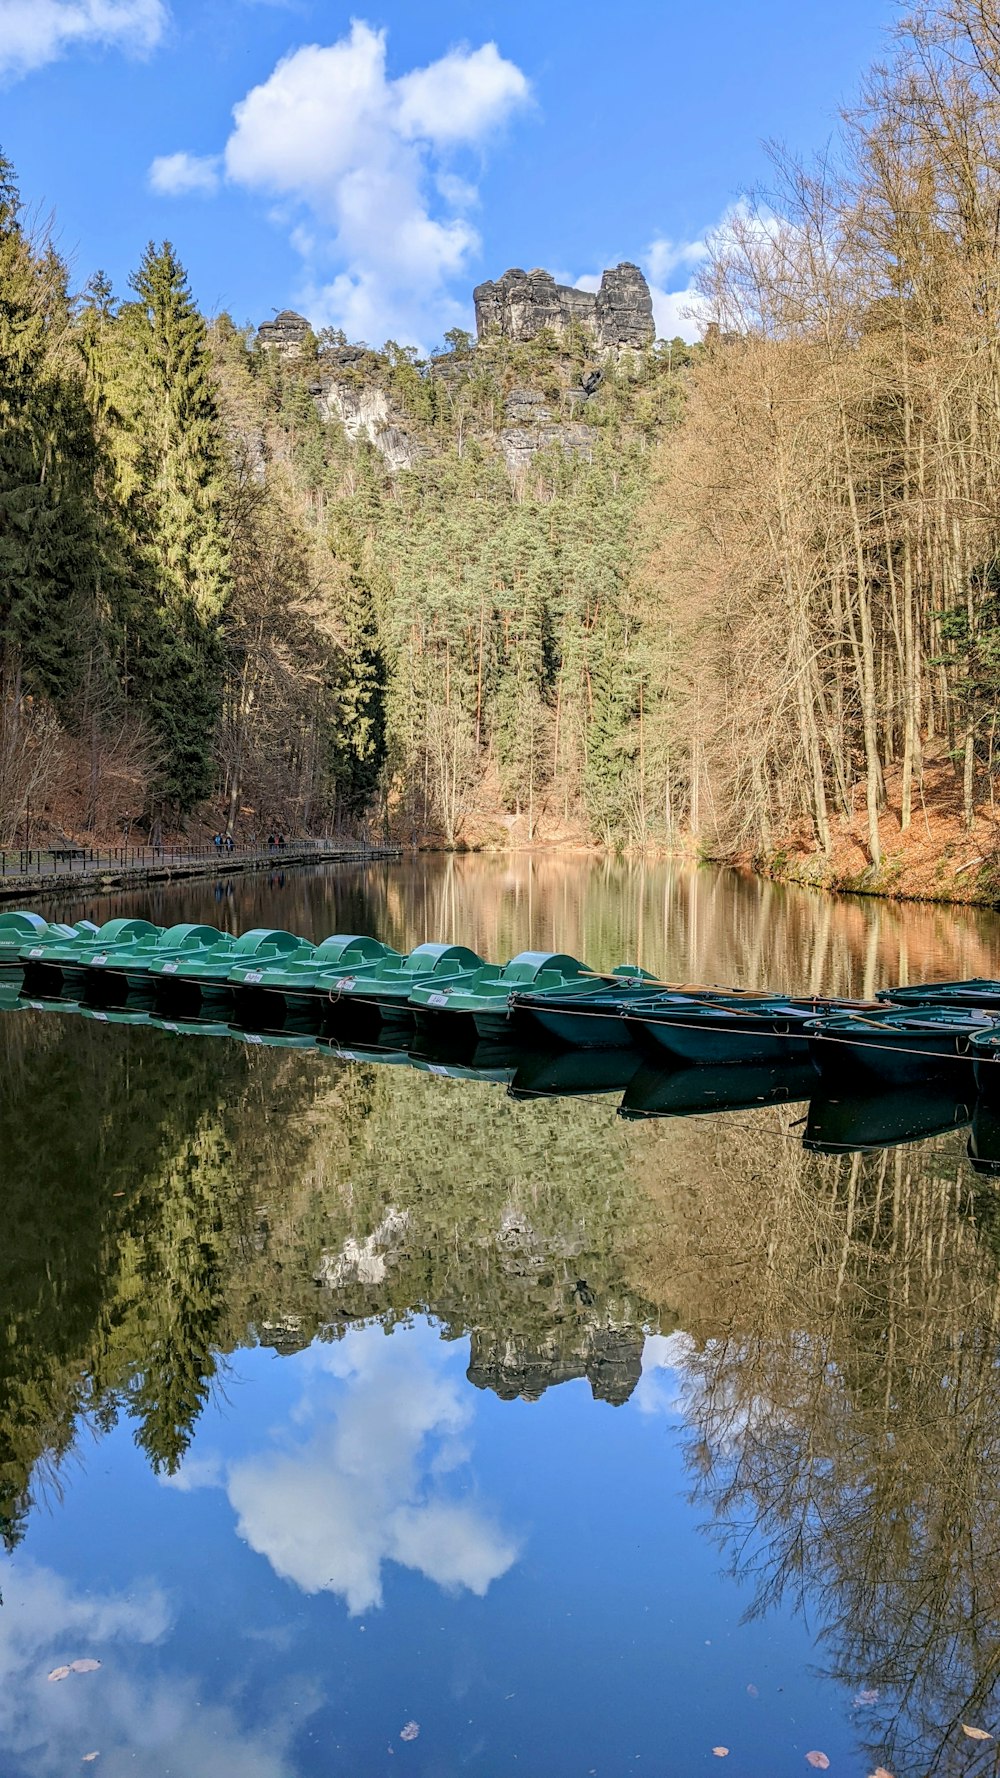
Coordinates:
604 1333
680 923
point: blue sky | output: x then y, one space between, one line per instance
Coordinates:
369 166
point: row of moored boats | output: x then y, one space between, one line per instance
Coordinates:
439 998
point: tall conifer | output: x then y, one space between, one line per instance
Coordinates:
180 470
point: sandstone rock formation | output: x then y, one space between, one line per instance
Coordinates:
518 306
364 412
285 334
624 309
520 443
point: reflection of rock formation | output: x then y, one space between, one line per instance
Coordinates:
365 1261
563 1330
514 1365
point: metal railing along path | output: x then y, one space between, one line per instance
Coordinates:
64 862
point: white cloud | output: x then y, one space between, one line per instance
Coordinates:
143 1715
461 97
34 32
664 256
368 1487
176 175
665 1361
361 163
679 313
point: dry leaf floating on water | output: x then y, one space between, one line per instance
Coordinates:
866 1697
752 1691
89 1756
720 1752
976 1734
87 1666
59 1673
880 1772
817 1759
409 1731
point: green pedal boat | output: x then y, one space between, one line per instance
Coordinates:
18 930
379 999
63 969
122 969
481 1005
297 984
203 977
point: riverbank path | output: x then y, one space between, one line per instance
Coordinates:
29 871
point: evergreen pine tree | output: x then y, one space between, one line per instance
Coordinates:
179 468
48 541
361 745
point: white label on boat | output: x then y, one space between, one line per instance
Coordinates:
101 959
348 981
437 999
37 951
435 1068
170 969
252 1037
167 1026
102 1016
254 975
348 1055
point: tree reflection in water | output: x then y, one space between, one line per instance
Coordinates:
841 1395
170 1200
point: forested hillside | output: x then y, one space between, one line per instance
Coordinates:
826 551
220 606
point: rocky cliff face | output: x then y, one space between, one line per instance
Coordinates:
286 334
518 306
623 309
615 320
364 412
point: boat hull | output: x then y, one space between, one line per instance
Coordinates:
54 980
276 1009
443 1028
720 1041
895 1058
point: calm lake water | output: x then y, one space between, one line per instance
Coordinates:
362 1422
